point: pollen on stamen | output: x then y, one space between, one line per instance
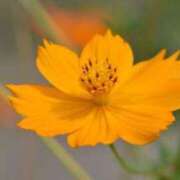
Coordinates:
86 67
115 80
97 75
89 80
90 63
84 71
98 78
109 66
103 84
110 77
82 80
107 60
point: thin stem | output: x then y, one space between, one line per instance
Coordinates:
65 158
128 167
44 21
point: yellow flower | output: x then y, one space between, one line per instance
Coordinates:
100 96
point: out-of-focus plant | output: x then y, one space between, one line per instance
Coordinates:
44 21
79 27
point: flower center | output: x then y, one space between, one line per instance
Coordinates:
98 77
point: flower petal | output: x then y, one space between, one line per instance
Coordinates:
48 111
144 103
167 97
98 129
110 47
60 67
143 89
142 80
50 126
141 125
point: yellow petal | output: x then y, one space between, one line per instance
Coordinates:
144 103
60 67
48 111
167 97
140 124
143 88
149 76
50 126
98 129
114 48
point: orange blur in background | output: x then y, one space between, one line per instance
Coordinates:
79 27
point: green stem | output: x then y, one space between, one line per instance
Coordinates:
128 167
44 21
66 159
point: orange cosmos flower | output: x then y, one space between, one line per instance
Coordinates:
100 96
79 27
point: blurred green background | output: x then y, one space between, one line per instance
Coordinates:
147 25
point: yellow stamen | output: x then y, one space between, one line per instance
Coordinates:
98 77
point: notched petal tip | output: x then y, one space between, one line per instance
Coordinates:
175 56
161 54
9 86
46 43
15 88
108 33
12 88
21 124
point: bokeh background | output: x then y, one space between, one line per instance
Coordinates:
147 25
